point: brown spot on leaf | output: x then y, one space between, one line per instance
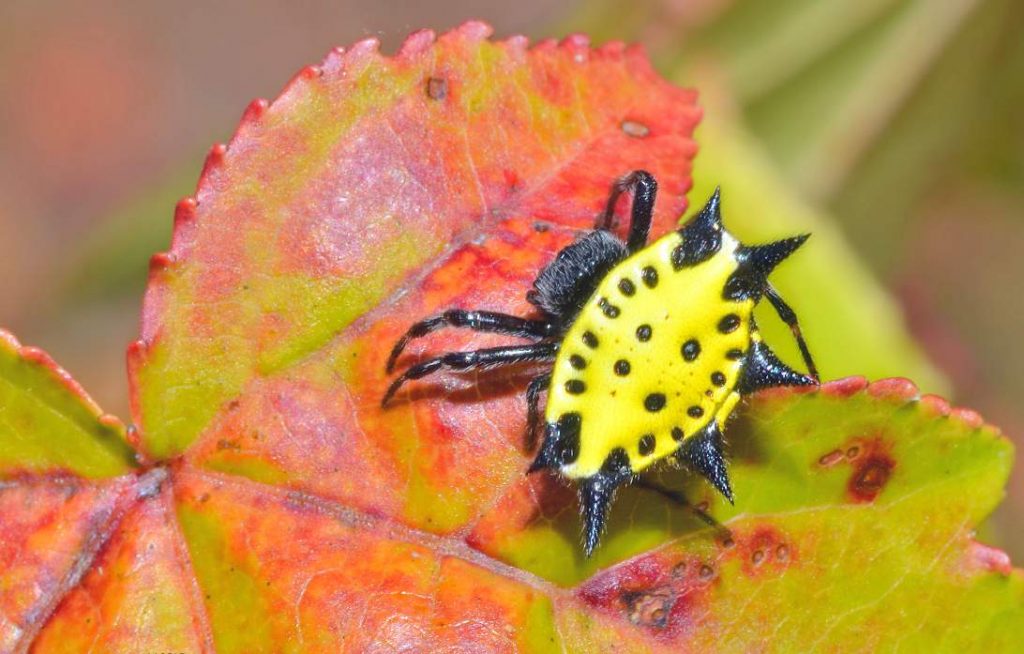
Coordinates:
437 88
649 608
761 551
660 591
870 477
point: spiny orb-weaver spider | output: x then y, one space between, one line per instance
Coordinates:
651 346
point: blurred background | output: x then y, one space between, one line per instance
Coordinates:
898 121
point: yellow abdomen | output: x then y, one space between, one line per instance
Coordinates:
652 358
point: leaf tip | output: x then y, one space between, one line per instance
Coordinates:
935 405
8 341
844 387
416 43
545 45
969 417
577 41
894 388
985 558
185 211
475 30
214 160
256 109
364 47
613 48
159 263
518 43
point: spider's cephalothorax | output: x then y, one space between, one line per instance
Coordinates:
652 347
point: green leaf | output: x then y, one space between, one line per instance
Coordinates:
48 425
854 326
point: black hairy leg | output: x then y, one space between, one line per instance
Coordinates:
486 358
481 321
645 190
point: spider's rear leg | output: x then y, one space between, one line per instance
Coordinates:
678 498
789 317
487 358
481 321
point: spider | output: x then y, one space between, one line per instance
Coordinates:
651 346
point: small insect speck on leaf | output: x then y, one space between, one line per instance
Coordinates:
635 129
437 88
831 458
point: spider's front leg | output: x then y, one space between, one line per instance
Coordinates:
487 358
645 190
481 321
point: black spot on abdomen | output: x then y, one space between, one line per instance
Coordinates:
608 308
691 349
646 444
654 402
650 276
729 323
